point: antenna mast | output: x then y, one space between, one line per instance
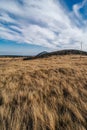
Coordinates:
81 50
81 46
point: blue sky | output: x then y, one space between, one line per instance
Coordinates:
28 27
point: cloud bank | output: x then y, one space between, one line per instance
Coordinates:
43 22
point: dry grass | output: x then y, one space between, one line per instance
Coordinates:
43 94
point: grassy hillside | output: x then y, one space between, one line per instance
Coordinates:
43 94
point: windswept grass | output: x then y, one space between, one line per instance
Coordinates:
43 94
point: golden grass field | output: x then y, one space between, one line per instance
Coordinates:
43 94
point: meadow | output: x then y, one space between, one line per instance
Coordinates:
43 94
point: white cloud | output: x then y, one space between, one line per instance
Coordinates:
42 22
77 7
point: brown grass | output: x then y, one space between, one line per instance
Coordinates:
43 94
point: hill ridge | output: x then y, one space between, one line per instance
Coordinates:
60 52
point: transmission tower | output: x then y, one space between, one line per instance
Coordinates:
81 49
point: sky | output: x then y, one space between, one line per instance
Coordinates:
28 27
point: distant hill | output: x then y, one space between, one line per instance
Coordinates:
42 53
61 52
